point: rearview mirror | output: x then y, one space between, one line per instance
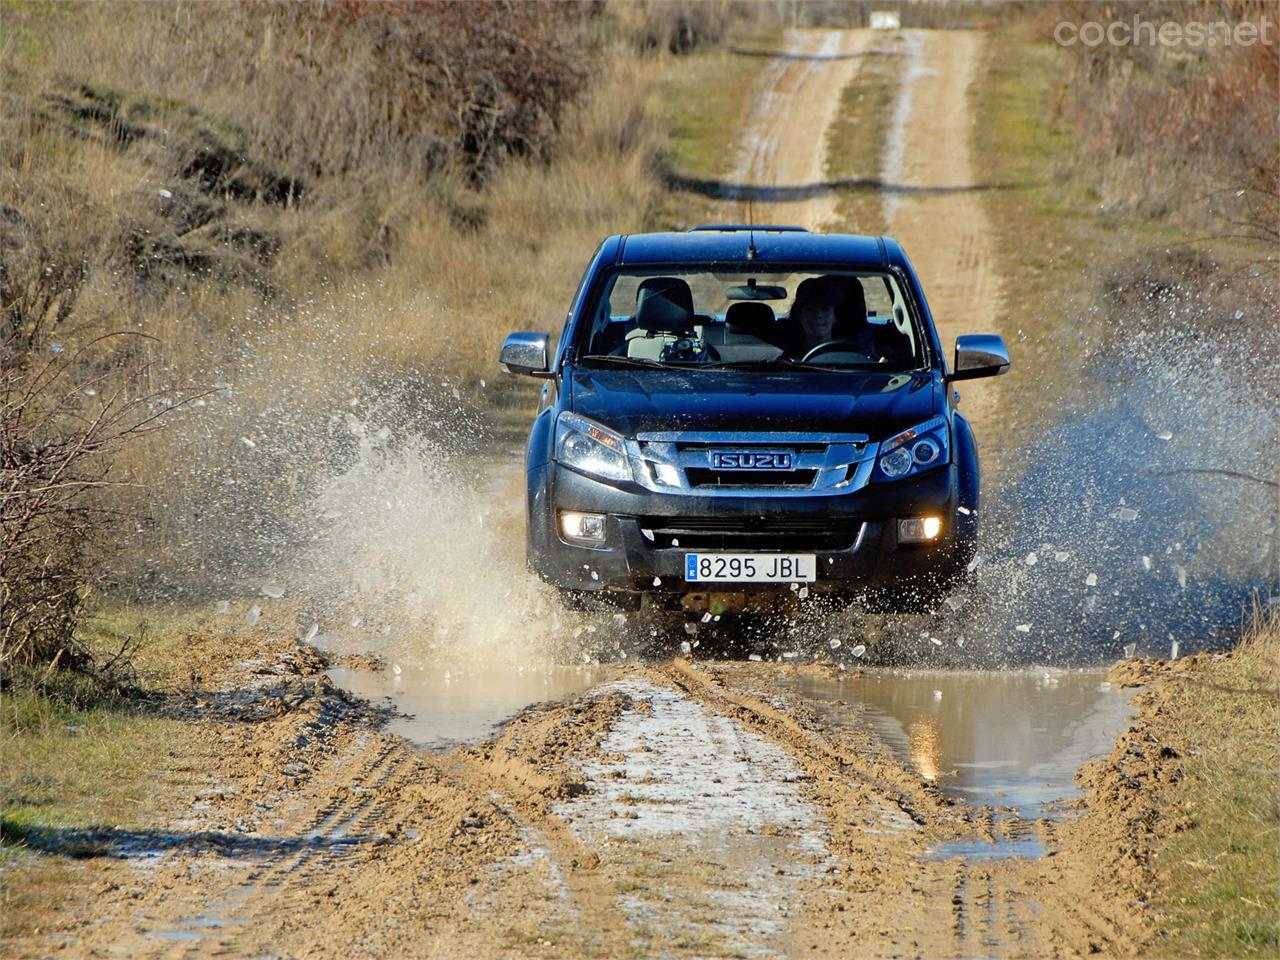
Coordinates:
979 355
527 353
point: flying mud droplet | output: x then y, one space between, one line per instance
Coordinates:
1164 435
1023 628
858 650
954 602
974 563
935 641
1173 650
706 618
1061 556
686 647
1129 650
754 657
1031 559
223 606
254 615
1127 514
272 591
248 443
965 511
1146 562
395 668
354 426
1180 572
833 643
311 633
657 581
802 592
691 628
937 694
1091 580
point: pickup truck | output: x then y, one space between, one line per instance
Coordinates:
738 418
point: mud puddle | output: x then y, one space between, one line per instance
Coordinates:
440 707
1008 740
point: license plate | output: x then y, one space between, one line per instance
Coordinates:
750 567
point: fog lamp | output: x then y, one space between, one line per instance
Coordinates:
919 529
582 527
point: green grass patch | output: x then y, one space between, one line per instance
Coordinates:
1221 877
855 141
83 757
705 103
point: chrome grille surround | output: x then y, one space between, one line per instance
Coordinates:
840 462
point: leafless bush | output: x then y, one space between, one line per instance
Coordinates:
1186 132
62 418
679 26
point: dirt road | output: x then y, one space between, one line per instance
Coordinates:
781 158
677 808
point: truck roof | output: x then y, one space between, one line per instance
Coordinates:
772 244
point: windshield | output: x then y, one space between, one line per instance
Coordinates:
718 317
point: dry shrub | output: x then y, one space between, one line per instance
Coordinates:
1191 133
679 26
309 204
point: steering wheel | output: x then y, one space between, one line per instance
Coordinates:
831 346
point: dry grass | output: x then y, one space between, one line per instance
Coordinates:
180 159
1221 877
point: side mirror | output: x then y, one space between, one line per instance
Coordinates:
979 355
527 353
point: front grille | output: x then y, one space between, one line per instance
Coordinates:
710 477
751 533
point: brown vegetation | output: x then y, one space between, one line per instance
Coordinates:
300 203
1185 132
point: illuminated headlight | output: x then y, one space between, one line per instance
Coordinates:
582 527
919 529
914 451
594 450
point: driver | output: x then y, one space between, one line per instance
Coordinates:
820 305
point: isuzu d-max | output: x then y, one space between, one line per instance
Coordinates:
740 417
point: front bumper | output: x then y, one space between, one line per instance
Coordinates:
860 551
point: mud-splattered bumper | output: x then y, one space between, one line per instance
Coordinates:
854 536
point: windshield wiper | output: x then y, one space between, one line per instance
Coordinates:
784 363
625 361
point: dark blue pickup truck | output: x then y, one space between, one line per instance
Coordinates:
736 418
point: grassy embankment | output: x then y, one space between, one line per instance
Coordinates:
1220 878
1058 242
466 265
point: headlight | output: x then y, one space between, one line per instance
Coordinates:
591 448
914 451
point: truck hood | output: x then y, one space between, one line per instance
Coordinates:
643 401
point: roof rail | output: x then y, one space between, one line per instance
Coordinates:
736 227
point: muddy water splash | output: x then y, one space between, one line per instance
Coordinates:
1145 521
415 554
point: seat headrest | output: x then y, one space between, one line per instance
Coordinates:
750 317
664 304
